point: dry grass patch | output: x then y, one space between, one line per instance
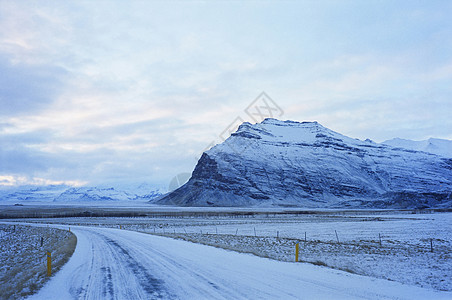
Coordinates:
23 259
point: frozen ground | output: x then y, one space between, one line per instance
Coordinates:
23 258
120 264
404 254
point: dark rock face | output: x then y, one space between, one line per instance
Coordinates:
276 163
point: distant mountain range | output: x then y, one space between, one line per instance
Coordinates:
67 194
292 164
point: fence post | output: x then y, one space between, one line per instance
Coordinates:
49 263
431 245
337 238
297 248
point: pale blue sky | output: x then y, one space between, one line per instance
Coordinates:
100 91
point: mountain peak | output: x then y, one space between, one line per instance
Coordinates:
272 121
288 163
278 132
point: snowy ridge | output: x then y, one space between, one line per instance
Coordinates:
287 163
436 146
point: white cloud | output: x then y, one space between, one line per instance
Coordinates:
145 86
14 180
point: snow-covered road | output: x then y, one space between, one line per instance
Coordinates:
120 264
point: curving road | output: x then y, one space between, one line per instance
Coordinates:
120 264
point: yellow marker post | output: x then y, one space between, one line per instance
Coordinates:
120 226
49 263
69 229
297 247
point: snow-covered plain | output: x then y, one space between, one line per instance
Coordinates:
404 254
120 264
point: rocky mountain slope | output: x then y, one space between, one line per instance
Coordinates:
286 163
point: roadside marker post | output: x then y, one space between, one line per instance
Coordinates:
49 263
297 248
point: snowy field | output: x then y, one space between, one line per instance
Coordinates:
23 257
409 248
111 263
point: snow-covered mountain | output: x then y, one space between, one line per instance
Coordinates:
107 193
286 163
28 193
436 146
63 193
82 194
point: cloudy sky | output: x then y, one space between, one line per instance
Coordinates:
106 91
